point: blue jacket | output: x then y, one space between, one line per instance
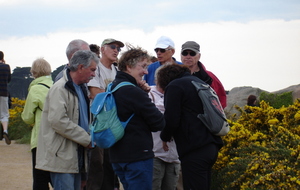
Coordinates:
150 77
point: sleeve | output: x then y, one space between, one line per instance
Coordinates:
219 89
31 104
173 106
60 104
95 82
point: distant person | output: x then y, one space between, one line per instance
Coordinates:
5 77
32 112
101 174
166 164
153 59
190 56
251 100
132 156
64 137
96 49
197 147
72 47
164 49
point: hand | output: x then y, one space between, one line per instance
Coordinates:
144 86
165 146
90 145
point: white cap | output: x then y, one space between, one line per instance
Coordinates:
164 42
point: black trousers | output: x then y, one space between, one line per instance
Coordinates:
197 167
100 172
41 178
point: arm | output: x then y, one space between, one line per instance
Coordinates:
62 116
94 91
31 105
173 107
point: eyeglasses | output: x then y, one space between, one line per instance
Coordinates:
161 50
145 66
185 53
113 46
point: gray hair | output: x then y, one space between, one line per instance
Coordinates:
74 46
82 57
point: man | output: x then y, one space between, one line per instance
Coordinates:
164 49
106 71
63 138
190 56
101 175
73 46
5 77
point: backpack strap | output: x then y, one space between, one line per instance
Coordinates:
44 85
108 88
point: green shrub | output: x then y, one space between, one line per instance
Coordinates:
277 100
18 130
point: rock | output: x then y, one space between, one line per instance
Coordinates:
238 96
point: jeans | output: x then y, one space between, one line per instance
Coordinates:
135 175
165 175
66 181
197 165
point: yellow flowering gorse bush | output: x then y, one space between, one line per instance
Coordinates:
261 151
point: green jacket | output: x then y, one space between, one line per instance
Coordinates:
34 105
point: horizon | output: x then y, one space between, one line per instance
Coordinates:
243 43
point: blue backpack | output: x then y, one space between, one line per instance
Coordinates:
106 128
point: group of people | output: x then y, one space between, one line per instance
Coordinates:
164 146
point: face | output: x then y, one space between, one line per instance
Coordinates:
164 55
139 70
86 74
111 51
190 58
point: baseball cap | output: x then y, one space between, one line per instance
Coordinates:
164 42
190 45
111 40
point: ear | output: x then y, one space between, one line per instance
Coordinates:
128 69
80 67
173 51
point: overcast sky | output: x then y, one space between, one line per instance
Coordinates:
245 43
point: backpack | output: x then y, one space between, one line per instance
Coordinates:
213 117
106 128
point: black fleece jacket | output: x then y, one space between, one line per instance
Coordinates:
137 143
182 102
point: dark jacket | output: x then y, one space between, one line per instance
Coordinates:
181 103
137 143
5 77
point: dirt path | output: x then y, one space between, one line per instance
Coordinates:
15 166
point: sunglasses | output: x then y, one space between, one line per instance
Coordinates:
112 46
161 50
185 53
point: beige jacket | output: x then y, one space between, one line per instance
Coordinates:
60 133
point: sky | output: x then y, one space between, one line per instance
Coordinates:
244 43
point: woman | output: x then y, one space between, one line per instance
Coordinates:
132 156
37 92
197 147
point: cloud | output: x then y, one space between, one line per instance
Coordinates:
262 54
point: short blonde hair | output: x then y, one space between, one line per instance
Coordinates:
40 67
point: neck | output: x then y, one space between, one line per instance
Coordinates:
194 68
106 62
168 61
